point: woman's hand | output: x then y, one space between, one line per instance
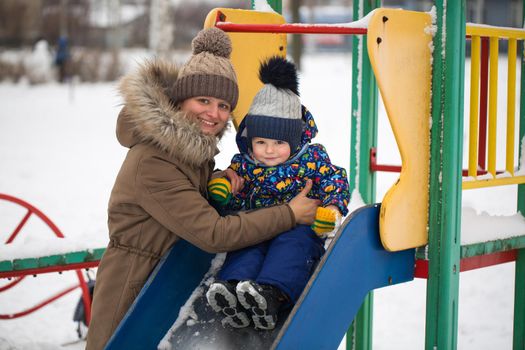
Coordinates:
236 181
303 207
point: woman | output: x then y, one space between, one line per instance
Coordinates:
171 121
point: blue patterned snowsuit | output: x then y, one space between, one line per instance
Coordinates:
286 261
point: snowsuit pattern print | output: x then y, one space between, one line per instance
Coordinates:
269 186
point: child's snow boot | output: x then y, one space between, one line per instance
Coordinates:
263 302
222 298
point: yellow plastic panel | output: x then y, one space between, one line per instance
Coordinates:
249 50
399 48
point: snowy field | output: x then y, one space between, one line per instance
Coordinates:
58 151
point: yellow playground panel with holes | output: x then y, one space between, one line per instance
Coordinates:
249 50
398 47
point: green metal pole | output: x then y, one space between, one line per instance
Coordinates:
519 280
364 111
364 136
445 176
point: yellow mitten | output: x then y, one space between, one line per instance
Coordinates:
220 190
326 220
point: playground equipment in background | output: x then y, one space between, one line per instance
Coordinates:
485 49
18 269
356 252
483 103
444 257
483 99
439 265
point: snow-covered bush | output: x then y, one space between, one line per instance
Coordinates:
37 65
11 71
96 65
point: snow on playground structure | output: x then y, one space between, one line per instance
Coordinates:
443 171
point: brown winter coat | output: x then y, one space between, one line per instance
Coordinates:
159 197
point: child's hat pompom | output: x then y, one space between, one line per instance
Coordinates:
280 73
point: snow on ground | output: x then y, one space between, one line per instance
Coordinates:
58 151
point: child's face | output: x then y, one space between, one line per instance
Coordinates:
270 152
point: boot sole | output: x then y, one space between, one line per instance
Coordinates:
222 300
251 300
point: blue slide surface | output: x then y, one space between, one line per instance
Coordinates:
354 264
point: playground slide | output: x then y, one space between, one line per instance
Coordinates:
354 264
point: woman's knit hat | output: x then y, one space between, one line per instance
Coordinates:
209 71
275 112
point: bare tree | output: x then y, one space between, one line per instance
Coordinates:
161 27
19 22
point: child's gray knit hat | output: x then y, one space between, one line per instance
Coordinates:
209 71
275 112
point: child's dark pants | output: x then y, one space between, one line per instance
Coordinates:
286 262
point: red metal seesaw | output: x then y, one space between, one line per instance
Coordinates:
20 275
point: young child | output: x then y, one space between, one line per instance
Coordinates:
276 159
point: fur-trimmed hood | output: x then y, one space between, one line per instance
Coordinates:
150 116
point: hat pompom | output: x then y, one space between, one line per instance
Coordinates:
280 73
214 41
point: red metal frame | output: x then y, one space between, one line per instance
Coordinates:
291 28
19 275
38 306
470 263
483 101
30 210
381 167
12 283
374 166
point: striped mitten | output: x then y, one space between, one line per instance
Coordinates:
325 221
220 190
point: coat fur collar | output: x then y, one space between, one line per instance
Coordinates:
150 116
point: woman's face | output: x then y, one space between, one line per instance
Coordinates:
212 113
